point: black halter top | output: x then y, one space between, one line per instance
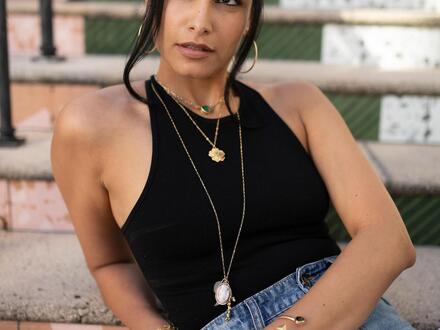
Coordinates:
172 230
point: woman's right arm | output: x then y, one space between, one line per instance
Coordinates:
125 293
77 166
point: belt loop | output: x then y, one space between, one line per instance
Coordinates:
299 277
255 312
306 280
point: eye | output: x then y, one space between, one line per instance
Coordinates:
238 2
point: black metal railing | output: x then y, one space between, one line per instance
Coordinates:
47 52
7 136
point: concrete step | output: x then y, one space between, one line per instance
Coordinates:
405 169
107 69
23 325
30 200
427 5
392 106
45 278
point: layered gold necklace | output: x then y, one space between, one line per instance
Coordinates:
222 289
215 153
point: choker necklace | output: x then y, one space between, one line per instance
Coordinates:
205 108
222 289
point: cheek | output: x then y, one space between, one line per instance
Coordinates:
169 26
230 35
168 17
228 29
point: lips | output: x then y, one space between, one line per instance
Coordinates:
196 46
196 52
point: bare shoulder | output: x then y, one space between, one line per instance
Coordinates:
98 108
303 99
299 94
287 97
94 118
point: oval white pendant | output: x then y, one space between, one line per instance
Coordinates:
222 292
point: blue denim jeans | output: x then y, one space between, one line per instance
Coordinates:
260 309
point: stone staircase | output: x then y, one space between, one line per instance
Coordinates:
405 169
356 91
378 61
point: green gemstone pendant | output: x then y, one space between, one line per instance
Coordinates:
205 109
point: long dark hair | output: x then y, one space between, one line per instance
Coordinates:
149 30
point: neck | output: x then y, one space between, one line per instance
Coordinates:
198 90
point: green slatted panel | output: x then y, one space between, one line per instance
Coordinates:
360 112
278 41
110 35
420 214
422 217
288 41
335 225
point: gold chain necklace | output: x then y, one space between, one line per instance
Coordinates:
215 153
205 108
222 288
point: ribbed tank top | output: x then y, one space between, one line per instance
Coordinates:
172 231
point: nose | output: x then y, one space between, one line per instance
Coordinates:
201 20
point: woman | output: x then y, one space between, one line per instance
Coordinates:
203 205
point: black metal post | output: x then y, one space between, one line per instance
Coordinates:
47 48
7 137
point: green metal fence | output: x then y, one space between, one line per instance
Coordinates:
276 41
360 112
421 216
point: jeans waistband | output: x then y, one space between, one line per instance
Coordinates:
262 307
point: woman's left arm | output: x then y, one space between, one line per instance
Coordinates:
380 248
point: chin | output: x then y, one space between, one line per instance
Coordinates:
196 70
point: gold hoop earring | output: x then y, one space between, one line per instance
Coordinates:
255 58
